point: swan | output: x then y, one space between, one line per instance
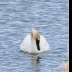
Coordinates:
34 43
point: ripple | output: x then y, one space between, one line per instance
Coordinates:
18 18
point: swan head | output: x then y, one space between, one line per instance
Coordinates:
36 37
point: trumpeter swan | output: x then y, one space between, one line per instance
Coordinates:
34 43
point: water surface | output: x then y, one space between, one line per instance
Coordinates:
18 18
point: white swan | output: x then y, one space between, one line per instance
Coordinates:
34 43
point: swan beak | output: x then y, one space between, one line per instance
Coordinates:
37 43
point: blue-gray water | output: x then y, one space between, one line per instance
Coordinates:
18 18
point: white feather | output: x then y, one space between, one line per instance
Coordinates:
30 46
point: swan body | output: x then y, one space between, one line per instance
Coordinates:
34 43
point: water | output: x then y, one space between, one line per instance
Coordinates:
18 18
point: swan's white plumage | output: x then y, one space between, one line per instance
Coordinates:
30 46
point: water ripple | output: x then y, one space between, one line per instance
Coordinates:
18 18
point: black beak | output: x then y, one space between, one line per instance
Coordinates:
37 43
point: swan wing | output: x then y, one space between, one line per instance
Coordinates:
43 44
26 44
